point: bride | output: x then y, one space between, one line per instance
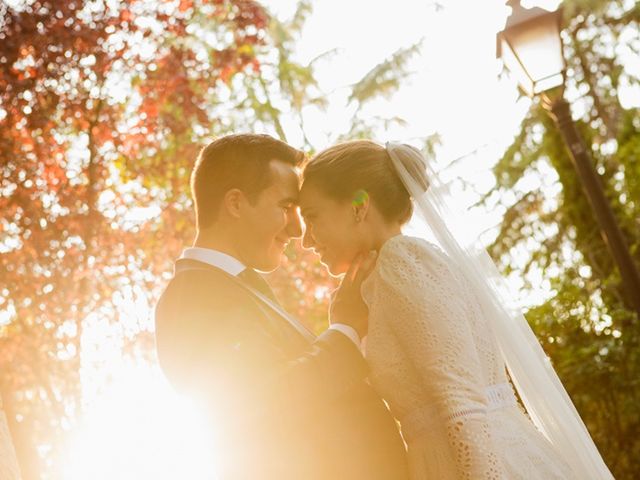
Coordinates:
441 339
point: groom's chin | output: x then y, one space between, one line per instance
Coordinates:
268 265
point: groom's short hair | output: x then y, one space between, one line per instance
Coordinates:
235 161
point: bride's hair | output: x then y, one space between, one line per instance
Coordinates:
344 169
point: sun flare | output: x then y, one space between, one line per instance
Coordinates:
141 429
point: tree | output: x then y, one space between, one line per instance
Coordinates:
586 325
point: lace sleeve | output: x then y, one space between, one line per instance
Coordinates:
421 296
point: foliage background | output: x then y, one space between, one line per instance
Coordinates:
103 107
587 324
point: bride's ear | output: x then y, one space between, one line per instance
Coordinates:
360 205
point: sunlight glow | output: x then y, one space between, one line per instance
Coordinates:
141 429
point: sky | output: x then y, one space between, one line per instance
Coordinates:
455 80
454 90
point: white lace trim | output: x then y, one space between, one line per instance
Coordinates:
499 396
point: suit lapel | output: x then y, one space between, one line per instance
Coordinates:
270 308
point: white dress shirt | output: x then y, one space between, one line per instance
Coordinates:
234 267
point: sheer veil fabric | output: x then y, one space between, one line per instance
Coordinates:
538 385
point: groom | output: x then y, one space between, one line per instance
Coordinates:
285 404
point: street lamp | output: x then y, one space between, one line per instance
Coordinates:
530 46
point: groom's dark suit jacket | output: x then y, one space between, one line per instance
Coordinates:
284 406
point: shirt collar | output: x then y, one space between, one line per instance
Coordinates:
218 259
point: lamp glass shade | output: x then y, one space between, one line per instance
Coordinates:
532 51
516 69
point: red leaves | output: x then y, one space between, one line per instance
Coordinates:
76 130
126 15
185 5
226 73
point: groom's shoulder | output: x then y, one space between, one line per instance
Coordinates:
196 284
200 300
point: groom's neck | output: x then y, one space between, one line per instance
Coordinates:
220 243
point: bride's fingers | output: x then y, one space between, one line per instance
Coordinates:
366 266
349 277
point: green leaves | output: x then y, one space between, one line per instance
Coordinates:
385 78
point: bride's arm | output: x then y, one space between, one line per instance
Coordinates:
420 297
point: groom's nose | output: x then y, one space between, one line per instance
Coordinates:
294 224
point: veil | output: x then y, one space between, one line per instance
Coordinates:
538 385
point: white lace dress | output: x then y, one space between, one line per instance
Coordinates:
434 359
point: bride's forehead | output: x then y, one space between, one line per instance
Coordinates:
310 196
314 200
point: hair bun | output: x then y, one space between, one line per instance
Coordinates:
412 162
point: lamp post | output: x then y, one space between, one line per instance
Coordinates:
530 46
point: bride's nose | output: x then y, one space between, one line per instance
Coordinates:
307 238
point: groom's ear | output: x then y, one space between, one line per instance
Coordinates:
232 202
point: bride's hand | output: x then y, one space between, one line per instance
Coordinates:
347 306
